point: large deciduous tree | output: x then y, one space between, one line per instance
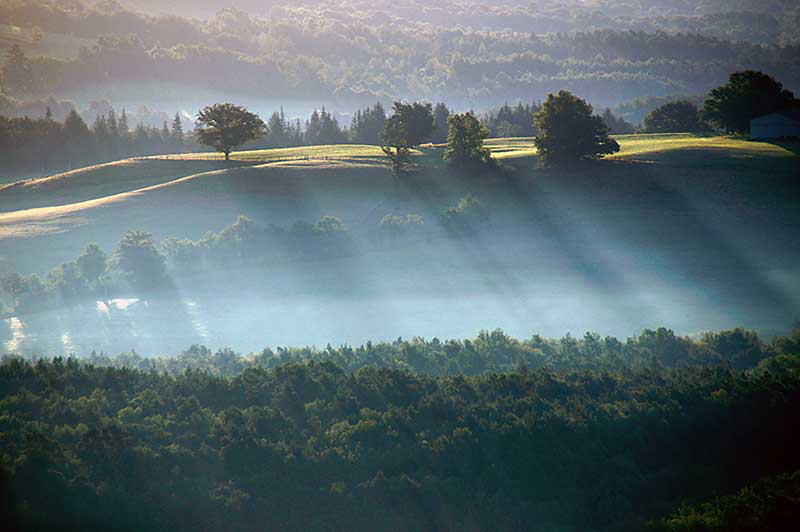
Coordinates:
568 131
92 263
465 138
139 259
747 95
674 117
409 126
223 126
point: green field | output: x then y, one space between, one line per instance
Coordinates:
124 176
190 193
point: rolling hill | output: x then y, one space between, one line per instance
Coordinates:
188 194
694 232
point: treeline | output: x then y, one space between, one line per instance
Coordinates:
491 351
45 146
140 264
87 446
331 54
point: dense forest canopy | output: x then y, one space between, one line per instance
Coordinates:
284 443
475 55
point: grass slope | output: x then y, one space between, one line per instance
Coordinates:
188 194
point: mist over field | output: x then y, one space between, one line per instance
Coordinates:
384 266
566 253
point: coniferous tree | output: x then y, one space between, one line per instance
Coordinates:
368 124
177 132
79 141
113 134
277 134
616 125
102 138
166 138
440 123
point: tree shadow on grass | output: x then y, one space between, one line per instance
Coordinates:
792 146
634 207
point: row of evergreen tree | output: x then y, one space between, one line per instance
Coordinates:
44 145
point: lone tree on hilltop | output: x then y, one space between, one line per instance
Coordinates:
223 126
409 126
674 117
747 95
568 131
465 136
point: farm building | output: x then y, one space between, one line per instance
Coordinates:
785 124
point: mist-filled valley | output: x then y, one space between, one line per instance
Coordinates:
400 266
548 252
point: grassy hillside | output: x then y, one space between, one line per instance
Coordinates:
696 232
108 179
188 194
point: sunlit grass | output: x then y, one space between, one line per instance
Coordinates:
635 145
98 181
300 153
644 144
105 180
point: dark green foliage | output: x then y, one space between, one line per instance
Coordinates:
417 121
79 143
465 138
490 351
568 131
223 126
441 114
93 263
674 117
45 146
410 125
323 128
747 95
368 125
514 121
86 446
138 258
771 505
617 125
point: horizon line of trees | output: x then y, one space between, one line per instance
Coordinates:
300 52
72 144
491 351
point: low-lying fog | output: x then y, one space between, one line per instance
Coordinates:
444 289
